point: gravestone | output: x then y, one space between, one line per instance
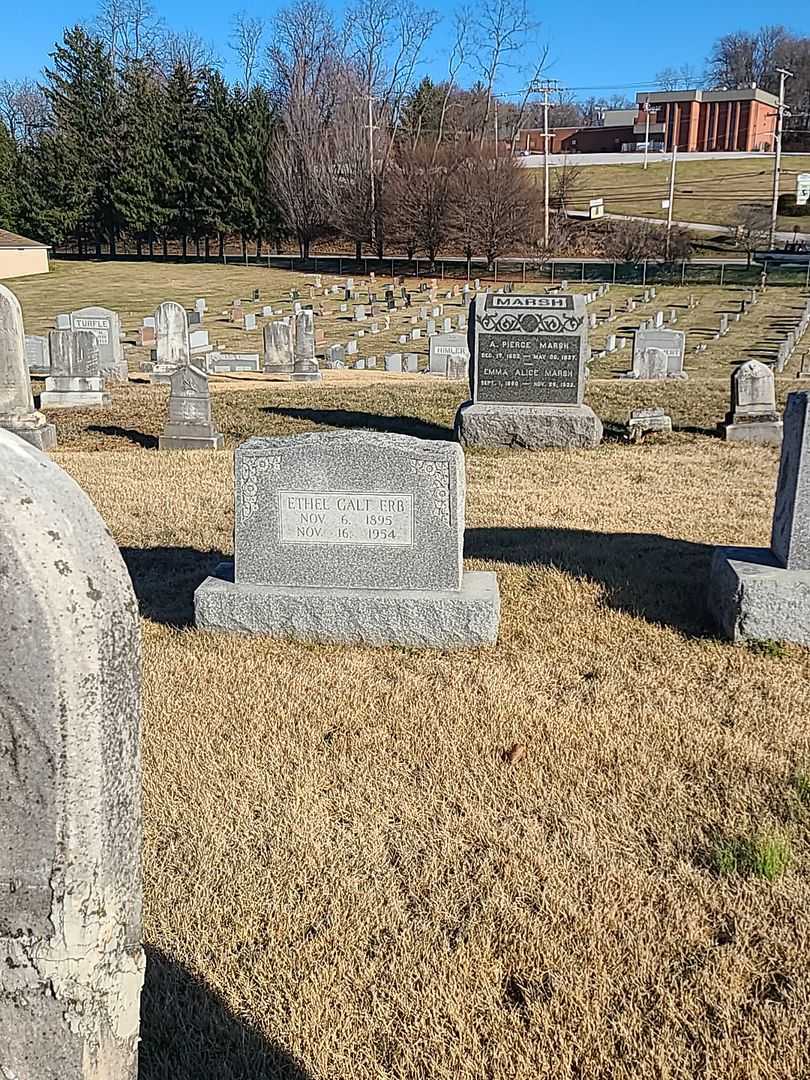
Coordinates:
752 416
200 305
527 373
763 594
411 363
335 356
449 351
17 412
74 381
642 421
105 325
221 362
172 345
305 366
249 321
37 354
188 424
350 537
279 351
195 318
393 362
648 345
70 829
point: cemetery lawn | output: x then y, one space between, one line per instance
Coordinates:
706 190
582 852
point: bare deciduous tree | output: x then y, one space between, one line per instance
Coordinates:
23 109
131 29
419 199
247 32
501 31
191 51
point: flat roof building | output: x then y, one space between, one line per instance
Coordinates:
709 120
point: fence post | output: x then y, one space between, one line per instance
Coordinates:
683 271
644 274
365 264
552 272
722 272
807 279
495 264
524 271
416 260
614 271
582 275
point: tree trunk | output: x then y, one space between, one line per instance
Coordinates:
165 241
113 249
151 243
221 237
207 246
98 246
197 245
139 246
358 250
259 246
184 247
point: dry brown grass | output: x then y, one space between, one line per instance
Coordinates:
344 875
345 878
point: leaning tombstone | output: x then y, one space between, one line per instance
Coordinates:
446 349
643 421
351 537
752 416
763 594
74 381
172 346
17 412
279 348
528 374
70 830
189 425
305 366
105 325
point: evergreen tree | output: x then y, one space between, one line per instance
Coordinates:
262 121
184 131
8 168
83 142
140 187
215 175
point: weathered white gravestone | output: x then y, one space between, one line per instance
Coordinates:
352 537
172 344
189 425
449 355
305 367
17 412
37 354
764 594
752 416
528 374
71 963
279 344
648 345
105 325
74 381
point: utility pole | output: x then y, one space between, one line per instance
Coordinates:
671 192
545 90
646 108
777 157
372 186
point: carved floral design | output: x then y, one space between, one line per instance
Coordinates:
253 474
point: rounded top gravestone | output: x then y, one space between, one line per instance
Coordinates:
71 965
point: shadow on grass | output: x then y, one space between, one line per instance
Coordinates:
348 418
148 442
189 1033
164 579
649 576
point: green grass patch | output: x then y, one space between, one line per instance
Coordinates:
764 856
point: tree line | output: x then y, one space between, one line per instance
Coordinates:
329 132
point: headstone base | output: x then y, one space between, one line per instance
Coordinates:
42 435
764 432
185 442
279 371
306 376
753 598
421 618
528 427
73 399
118 373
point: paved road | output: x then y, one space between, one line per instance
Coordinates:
535 161
695 226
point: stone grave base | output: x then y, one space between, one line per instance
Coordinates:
306 376
528 427
279 371
186 442
73 399
41 435
422 618
753 598
118 373
764 432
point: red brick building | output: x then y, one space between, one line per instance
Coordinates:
699 120
742 120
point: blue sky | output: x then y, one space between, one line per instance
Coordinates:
593 45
